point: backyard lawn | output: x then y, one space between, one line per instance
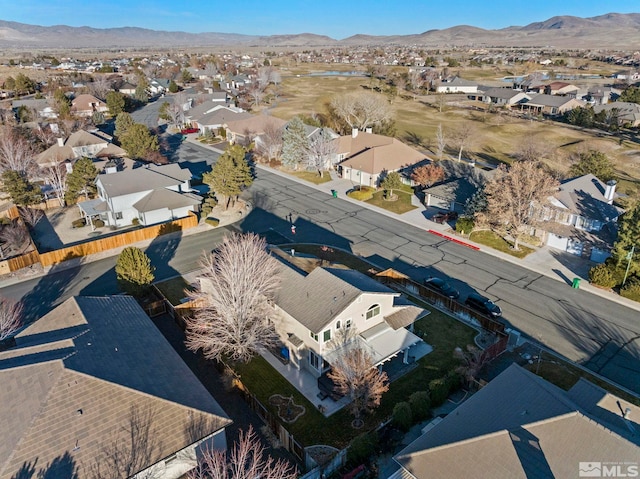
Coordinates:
174 289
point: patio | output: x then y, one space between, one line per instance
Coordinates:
307 384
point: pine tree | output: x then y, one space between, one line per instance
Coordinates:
138 141
21 191
115 102
230 175
628 236
594 162
81 180
123 123
134 271
294 144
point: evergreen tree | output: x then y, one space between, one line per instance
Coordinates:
62 104
631 94
21 191
173 87
123 123
294 144
628 237
81 180
116 102
141 93
134 271
138 141
230 175
594 162
392 181
477 203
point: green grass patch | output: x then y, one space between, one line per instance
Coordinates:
334 256
497 242
362 193
399 206
174 289
311 176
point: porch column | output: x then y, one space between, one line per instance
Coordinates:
405 356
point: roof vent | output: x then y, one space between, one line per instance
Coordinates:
79 412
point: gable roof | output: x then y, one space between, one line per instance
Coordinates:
77 377
374 154
142 179
255 124
519 425
315 299
84 138
584 195
85 101
221 115
542 99
505 93
163 198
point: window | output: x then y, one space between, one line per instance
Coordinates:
314 360
326 336
338 324
118 215
313 335
347 323
373 311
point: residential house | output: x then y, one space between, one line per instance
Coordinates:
127 89
365 157
521 426
41 107
81 144
505 96
158 86
95 377
580 218
457 85
314 312
627 113
601 95
550 104
246 130
555 88
86 105
151 194
219 117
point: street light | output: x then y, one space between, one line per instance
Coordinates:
629 258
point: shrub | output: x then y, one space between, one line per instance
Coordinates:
135 221
208 205
631 289
602 275
212 221
98 223
420 405
362 193
79 223
402 416
465 224
362 447
438 391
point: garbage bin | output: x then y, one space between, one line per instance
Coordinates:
334 193
576 283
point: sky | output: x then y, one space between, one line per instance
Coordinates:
337 19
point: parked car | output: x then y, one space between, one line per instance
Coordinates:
442 287
445 217
483 305
186 131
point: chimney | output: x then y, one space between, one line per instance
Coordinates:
369 130
61 142
610 191
354 132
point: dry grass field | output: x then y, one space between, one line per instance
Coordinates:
497 135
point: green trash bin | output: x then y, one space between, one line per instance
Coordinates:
576 283
334 193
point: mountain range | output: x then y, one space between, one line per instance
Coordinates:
611 31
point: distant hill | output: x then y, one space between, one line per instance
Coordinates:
610 31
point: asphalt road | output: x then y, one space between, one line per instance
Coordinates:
601 334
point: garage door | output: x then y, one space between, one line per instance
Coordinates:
437 202
599 255
558 242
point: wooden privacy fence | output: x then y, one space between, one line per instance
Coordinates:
24 260
117 241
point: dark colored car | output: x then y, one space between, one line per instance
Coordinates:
483 305
442 287
186 131
445 217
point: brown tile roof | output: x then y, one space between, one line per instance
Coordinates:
374 154
78 377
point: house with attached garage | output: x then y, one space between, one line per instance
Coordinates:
504 96
457 85
315 311
86 105
581 218
93 385
148 195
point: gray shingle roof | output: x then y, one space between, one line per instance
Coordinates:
163 198
74 378
315 299
518 425
584 195
143 179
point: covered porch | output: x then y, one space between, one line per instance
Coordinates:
92 210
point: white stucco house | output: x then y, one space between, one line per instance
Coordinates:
313 311
151 194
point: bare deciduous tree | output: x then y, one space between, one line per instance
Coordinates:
321 149
355 375
131 450
14 235
15 152
247 460
471 360
10 317
256 91
427 175
513 195
361 109
100 86
30 216
233 318
532 149
441 141
416 81
56 176
462 137
270 145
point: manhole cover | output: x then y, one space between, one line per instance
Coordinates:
351 213
312 212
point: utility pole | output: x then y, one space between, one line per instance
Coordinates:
629 258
